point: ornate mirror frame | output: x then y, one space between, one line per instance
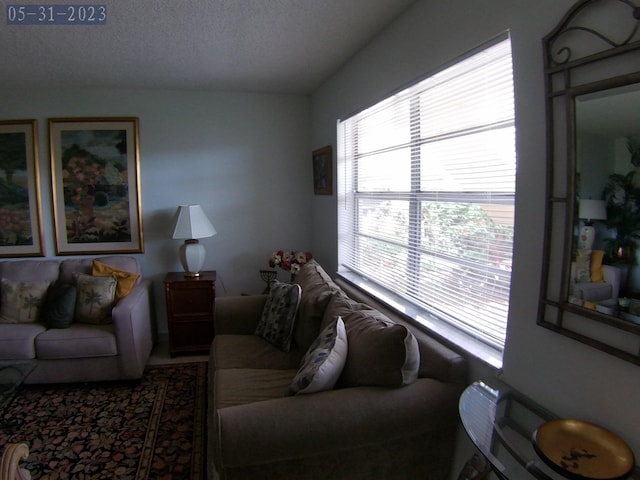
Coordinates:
595 48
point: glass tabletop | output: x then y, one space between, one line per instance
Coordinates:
12 375
501 422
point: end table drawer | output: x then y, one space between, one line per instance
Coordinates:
191 301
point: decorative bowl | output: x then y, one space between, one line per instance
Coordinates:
582 450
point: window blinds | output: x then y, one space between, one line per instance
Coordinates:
426 188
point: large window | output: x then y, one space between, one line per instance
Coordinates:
426 187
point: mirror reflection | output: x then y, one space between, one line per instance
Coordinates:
605 250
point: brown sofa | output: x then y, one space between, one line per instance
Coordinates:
378 421
115 349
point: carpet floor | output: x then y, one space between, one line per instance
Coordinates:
153 429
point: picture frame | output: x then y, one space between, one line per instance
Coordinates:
95 175
20 202
322 160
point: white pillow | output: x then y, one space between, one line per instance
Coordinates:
322 365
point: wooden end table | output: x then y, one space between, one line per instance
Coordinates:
190 311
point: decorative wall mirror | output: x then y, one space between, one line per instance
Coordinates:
591 276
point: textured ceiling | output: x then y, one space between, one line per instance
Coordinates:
284 46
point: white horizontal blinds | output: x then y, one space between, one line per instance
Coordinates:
426 183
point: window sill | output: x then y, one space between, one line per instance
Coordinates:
429 322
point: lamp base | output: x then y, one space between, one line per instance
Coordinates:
192 255
587 235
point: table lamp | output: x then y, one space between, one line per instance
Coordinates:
191 224
590 210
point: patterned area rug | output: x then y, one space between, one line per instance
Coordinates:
154 429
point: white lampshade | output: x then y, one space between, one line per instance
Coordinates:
191 223
593 210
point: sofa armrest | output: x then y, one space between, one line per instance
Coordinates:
343 419
238 315
613 275
133 328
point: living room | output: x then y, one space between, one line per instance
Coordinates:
245 157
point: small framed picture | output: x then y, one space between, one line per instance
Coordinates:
95 169
20 207
323 171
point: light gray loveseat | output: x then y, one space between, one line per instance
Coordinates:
82 352
368 426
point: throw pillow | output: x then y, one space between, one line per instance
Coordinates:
95 299
322 365
59 305
279 314
21 302
380 352
340 304
597 270
125 280
583 266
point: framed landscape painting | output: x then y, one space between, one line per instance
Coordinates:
95 171
20 207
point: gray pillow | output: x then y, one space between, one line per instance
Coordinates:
59 305
279 314
380 352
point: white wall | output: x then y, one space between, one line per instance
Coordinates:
566 376
245 158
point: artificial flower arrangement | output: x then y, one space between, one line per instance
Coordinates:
289 261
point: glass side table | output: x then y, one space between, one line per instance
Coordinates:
12 375
500 421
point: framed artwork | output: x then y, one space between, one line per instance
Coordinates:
95 174
322 171
20 207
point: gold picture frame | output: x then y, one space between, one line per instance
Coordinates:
20 203
322 160
95 174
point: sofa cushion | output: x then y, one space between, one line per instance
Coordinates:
77 341
250 351
339 304
279 314
17 342
95 299
592 291
59 305
21 301
30 270
317 289
125 280
323 363
241 386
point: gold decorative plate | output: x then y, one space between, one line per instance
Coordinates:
582 450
